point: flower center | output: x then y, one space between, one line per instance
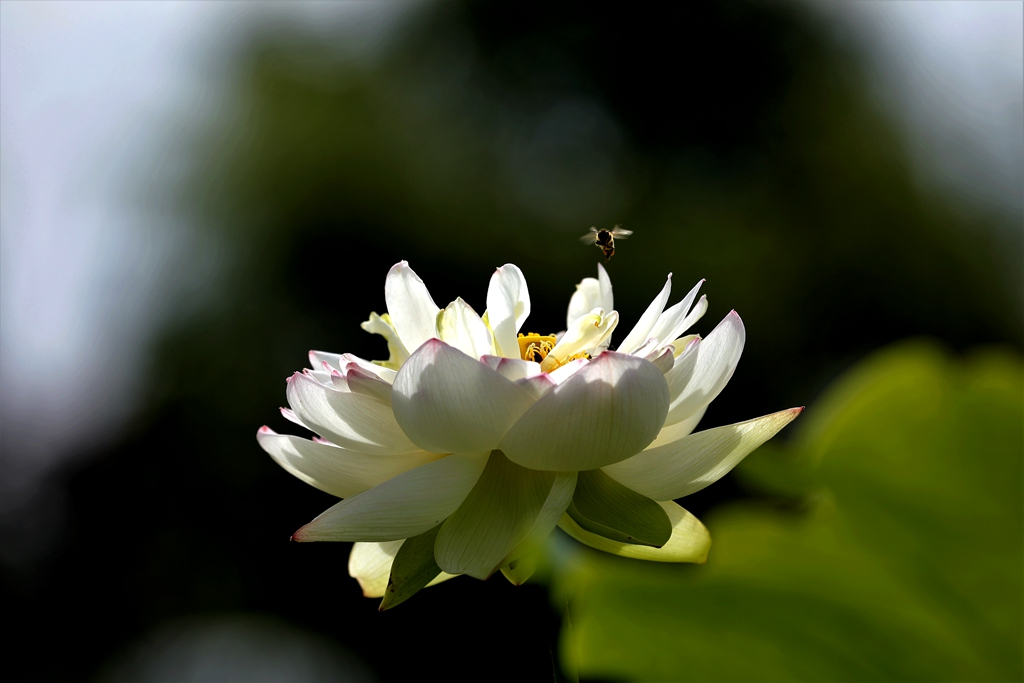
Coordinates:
535 347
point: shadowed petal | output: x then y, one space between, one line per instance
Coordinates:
512 368
337 471
360 381
690 540
404 506
715 361
351 420
496 517
370 564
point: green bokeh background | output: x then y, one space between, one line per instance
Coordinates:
889 548
741 143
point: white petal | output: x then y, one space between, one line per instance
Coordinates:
586 334
586 298
664 361
696 314
320 376
448 402
370 563
412 311
386 374
336 470
676 431
407 505
690 540
695 461
607 302
683 343
350 420
318 358
338 381
715 361
564 372
497 516
290 415
639 334
508 305
513 368
679 376
360 381
537 386
606 412
671 323
461 327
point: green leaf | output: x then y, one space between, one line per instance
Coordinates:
902 562
605 507
414 567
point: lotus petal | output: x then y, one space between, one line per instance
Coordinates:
351 420
690 539
715 361
606 412
508 305
496 517
337 471
642 330
412 311
686 466
407 505
448 402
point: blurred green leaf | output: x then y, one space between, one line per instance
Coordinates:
906 564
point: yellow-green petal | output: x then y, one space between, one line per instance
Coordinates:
690 539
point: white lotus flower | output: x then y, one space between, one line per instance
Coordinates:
463 451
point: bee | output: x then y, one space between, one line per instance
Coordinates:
605 239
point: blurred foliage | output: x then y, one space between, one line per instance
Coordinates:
902 561
737 139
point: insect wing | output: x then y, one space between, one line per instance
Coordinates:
621 233
590 237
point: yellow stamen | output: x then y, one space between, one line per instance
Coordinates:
551 363
535 346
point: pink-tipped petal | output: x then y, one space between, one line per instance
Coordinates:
689 464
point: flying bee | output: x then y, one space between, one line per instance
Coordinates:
605 239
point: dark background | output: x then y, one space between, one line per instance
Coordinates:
738 140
